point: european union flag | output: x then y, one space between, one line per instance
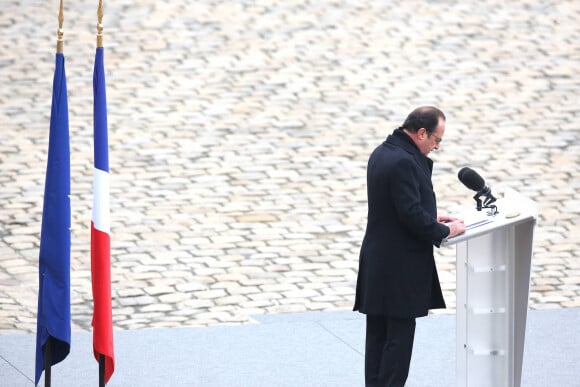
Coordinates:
53 317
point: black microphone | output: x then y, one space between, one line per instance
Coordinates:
475 182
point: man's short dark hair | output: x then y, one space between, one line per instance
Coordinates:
423 117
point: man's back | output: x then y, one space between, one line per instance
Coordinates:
396 259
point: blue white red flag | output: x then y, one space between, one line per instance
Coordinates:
100 226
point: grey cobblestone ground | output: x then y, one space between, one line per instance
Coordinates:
239 134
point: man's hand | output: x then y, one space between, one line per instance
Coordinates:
456 226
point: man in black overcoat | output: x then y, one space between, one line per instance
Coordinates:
397 279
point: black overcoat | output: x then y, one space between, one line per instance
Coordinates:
397 275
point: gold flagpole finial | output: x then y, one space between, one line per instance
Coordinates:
100 25
59 45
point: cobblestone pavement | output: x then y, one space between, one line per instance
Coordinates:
239 133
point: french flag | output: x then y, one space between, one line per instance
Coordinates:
100 228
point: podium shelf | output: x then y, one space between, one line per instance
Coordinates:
487 269
486 352
483 310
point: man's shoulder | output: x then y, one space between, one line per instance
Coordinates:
392 151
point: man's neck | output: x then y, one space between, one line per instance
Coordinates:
413 136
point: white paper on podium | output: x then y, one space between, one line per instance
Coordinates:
474 219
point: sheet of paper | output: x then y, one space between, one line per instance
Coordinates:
474 218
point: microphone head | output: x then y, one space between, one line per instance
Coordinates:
471 179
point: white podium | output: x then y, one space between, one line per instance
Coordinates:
493 283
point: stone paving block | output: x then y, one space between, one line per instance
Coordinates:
239 136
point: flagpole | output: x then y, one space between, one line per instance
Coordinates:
100 24
47 362
101 370
59 45
99 45
48 346
53 316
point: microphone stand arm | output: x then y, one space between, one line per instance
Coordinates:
487 203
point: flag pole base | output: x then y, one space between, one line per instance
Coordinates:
47 362
101 370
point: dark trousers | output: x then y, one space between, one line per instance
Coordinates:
389 344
